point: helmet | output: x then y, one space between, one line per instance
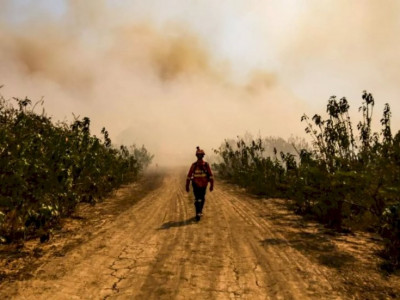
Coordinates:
199 151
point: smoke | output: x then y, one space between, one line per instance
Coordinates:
193 73
341 47
155 86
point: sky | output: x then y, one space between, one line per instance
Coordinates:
174 74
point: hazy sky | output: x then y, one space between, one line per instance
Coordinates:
180 73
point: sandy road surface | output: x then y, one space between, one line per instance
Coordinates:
243 248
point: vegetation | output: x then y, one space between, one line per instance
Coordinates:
46 169
345 180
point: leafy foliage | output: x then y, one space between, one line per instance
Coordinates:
255 164
345 178
47 168
390 231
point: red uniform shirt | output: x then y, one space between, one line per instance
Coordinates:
200 173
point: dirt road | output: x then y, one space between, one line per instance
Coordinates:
145 244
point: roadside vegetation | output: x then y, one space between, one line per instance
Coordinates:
348 179
47 168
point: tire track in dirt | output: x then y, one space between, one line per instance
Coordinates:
165 271
207 272
285 272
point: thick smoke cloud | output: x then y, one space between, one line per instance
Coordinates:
167 76
343 47
151 85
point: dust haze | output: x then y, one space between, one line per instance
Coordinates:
194 73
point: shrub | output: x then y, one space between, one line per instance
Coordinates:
47 168
344 177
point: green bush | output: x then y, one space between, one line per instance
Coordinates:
47 168
390 231
344 177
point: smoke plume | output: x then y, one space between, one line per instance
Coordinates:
167 76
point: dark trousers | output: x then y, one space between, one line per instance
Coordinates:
199 196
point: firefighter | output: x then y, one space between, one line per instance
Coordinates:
200 174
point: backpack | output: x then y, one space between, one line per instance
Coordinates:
203 168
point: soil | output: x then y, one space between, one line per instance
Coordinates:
143 243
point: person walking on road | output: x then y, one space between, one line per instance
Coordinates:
200 174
